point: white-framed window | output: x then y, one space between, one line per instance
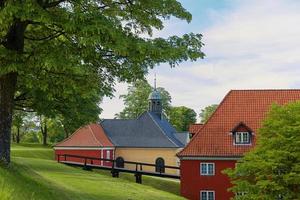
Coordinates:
242 138
207 195
207 169
107 154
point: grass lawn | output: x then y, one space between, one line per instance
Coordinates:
34 175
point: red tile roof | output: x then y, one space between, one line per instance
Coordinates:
194 128
247 106
91 135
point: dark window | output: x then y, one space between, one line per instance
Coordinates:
160 165
242 138
120 162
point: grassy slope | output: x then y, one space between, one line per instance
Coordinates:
34 175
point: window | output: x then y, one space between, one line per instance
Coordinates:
242 138
207 169
207 195
108 154
160 165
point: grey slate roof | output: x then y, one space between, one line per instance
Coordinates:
183 137
148 130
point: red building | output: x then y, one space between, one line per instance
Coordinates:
229 133
89 141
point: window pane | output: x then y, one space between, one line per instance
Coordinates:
211 196
203 168
203 196
210 169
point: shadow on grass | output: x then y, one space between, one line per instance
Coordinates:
167 185
22 183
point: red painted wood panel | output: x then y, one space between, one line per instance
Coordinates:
192 183
87 153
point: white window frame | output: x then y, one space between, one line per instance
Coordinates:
207 192
241 136
108 155
207 171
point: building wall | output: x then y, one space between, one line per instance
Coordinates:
97 153
149 155
192 183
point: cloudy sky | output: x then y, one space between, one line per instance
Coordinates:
248 45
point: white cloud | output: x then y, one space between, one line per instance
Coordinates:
256 45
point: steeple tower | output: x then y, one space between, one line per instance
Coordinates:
155 104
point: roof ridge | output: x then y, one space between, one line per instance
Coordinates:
161 129
89 125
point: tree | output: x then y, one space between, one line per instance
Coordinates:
272 169
18 122
207 112
54 51
181 117
136 100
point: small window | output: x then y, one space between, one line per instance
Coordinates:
242 138
207 169
160 165
107 154
207 195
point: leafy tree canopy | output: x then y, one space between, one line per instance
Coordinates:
136 100
57 54
207 112
181 117
272 169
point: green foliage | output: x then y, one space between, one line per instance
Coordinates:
67 55
272 169
181 117
24 123
71 52
56 131
136 100
31 137
207 112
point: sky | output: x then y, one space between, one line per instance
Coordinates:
248 45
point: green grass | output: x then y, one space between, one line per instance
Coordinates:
34 175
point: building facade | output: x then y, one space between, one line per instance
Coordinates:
148 139
229 133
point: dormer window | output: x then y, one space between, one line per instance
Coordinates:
242 138
242 134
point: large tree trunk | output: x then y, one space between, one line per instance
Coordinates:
7 90
14 41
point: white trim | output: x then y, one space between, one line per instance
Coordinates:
207 163
209 158
206 191
82 148
242 143
101 156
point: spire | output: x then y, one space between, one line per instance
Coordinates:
154 81
155 104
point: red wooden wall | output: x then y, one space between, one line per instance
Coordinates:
88 153
192 183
